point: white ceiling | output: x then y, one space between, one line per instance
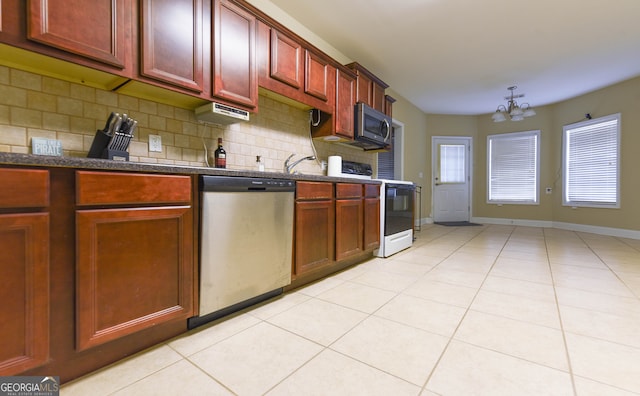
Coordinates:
459 56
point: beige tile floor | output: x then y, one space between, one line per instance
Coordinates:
491 310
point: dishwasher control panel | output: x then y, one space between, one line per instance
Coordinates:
232 183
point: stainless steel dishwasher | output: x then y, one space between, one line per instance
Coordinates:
246 243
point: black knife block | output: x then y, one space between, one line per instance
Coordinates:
99 148
116 155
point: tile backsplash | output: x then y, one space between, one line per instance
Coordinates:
32 105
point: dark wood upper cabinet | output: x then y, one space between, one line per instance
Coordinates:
345 101
286 59
369 88
364 89
388 105
98 29
340 122
316 79
171 42
235 75
292 68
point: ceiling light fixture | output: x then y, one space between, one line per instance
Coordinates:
513 110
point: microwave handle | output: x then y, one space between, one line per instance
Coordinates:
387 127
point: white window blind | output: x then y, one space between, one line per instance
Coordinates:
591 162
386 160
513 167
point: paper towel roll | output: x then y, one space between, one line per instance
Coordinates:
335 166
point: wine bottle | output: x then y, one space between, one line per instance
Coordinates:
220 156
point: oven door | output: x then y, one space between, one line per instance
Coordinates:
398 208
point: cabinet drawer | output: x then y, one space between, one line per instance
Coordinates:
347 190
314 190
24 188
371 190
110 188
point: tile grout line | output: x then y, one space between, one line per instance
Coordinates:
564 336
369 315
594 251
451 338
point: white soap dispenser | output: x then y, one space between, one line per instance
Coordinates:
259 163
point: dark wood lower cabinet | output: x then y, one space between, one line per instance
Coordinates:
336 225
349 229
314 227
24 270
133 271
371 216
96 266
349 220
314 235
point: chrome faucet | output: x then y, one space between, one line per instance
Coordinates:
288 168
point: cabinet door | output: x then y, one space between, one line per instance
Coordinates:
314 235
24 270
316 80
96 29
371 223
134 271
171 42
364 89
349 227
388 105
345 101
377 97
234 40
286 59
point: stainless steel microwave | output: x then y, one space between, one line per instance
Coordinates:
372 128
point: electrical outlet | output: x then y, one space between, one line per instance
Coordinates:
155 143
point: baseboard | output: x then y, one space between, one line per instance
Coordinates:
516 222
422 221
616 232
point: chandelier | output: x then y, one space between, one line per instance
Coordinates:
513 110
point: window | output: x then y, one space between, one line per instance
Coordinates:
390 162
452 166
386 160
513 167
591 163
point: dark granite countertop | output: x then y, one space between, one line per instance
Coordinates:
101 164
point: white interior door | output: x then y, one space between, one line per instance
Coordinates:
451 166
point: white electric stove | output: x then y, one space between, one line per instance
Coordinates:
397 199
